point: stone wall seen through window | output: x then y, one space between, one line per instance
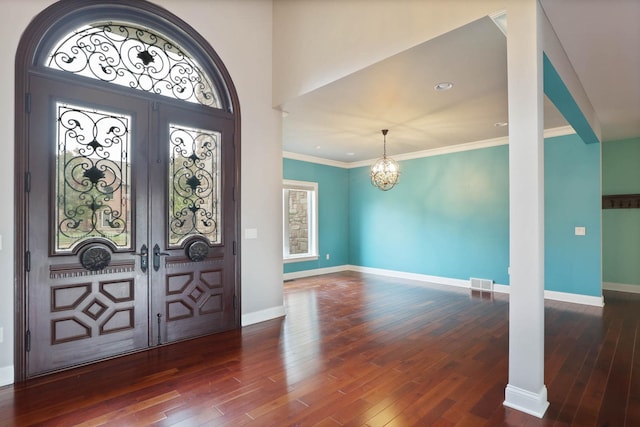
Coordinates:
298 222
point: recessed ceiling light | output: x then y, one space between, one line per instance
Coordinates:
443 86
501 124
351 154
317 147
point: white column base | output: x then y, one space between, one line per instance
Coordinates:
535 404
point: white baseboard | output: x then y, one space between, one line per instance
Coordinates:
503 289
621 287
263 315
6 375
597 301
315 272
575 298
411 276
531 403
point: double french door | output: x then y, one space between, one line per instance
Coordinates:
131 228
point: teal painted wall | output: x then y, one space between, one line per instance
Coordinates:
572 198
333 214
621 227
448 216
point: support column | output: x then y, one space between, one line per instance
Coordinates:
526 391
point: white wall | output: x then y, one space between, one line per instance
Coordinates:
241 34
20 13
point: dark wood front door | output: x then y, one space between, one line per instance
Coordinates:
130 223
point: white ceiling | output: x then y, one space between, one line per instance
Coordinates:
342 120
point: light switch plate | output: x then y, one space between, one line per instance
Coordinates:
581 231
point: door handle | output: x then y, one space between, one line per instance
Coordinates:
156 257
144 258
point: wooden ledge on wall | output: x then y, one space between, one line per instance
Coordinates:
621 201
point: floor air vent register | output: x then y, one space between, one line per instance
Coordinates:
482 285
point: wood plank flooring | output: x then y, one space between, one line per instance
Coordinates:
356 350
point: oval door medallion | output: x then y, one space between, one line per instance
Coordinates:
197 251
95 258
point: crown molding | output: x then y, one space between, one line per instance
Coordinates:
476 145
440 151
313 159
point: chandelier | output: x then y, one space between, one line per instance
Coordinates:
385 172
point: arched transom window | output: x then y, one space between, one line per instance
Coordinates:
128 55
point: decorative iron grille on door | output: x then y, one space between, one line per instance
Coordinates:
134 57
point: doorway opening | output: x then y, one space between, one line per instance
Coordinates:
127 164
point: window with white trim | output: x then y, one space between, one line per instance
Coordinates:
300 225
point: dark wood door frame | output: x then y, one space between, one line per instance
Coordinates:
43 30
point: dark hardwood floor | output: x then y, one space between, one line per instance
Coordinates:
357 350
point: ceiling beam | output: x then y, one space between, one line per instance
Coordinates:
564 89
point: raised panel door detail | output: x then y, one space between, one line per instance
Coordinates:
122 319
212 304
83 313
188 294
178 310
95 309
118 291
196 294
178 283
212 278
68 329
69 297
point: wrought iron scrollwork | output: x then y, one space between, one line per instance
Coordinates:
193 184
134 57
95 258
197 251
92 177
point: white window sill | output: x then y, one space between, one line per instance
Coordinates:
300 259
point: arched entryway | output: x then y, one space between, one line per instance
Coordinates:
127 166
